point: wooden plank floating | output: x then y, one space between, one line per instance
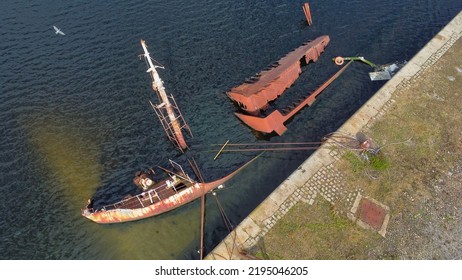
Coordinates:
221 150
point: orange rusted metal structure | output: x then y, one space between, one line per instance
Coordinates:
165 195
167 111
306 10
254 94
275 121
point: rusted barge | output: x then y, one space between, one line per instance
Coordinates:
254 95
175 190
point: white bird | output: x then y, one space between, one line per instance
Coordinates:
58 31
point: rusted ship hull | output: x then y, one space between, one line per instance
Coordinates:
275 121
120 215
254 95
154 201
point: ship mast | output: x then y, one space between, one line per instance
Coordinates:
167 110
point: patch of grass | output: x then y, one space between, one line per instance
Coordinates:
287 227
356 163
381 193
321 234
376 162
379 162
262 255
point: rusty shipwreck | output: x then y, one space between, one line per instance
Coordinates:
166 110
157 196
255 93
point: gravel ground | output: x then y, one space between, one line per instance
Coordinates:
430 228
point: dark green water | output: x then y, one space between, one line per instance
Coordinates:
75 120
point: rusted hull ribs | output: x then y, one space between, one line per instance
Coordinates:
275 121
254 94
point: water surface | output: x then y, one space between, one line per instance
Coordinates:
75 121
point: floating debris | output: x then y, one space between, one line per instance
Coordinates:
219 152
380 76
451 78
306 10
381 72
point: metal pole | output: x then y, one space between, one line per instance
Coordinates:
219 152
201 250
158 86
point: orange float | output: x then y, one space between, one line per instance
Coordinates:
339 60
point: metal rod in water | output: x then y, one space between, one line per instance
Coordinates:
221 150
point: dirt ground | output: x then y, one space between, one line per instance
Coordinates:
420 180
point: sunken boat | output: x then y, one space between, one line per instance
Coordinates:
255 93
274 122
157 197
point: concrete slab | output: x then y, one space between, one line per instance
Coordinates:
350 127
265 210
314 163
435 44
362 117
370 109
391 85
298 178
384 94
248 228
319 159
446 33
420 58
285 190
409 70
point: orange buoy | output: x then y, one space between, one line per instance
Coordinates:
339 60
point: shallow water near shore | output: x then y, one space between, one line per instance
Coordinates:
76 123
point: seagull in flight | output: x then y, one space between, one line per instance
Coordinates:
58 31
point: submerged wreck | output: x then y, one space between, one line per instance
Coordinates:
254 95
167 110
275 121
157 197
159 194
